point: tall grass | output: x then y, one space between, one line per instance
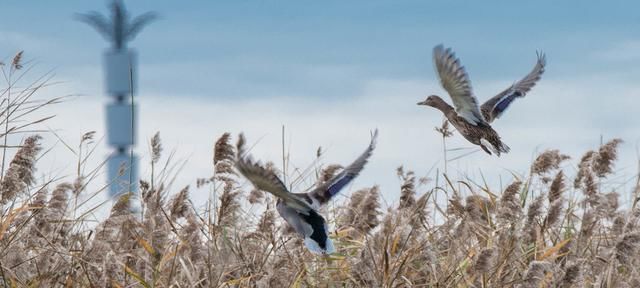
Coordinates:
530 235
554 228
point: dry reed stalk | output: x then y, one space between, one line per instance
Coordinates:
484 262
407 189
349 216
571 276
510 209
535 275
547 161
627 247
255 196
267 224
556 201
420 214
479 208
223 154
16 63
368 219
531 226
19 175
557 187
445 132
229 204
603 160
583 168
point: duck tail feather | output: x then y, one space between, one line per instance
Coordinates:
504 148
486 143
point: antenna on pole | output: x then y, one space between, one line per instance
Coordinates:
120 81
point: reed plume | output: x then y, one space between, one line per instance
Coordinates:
547 161
408 188
19 175
603 160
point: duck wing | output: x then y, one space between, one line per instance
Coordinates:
455 81
332 187
494 107
265 179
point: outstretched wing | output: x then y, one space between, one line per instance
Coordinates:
266 180
455 80
494 107
335 184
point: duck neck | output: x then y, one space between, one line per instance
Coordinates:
444 107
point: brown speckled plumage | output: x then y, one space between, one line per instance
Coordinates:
473 133
471 120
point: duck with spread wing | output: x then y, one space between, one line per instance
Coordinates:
300 210
473 121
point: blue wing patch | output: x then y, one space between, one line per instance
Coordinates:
338 185
505 102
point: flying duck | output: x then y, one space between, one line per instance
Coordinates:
300 210
470 120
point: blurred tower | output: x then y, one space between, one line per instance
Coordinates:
120 81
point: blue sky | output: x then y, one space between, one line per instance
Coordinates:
273 44
333 70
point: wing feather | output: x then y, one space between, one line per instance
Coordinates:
455 81
494 107
332 187
266 180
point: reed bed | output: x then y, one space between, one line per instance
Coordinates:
556 227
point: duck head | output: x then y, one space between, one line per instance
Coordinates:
433 101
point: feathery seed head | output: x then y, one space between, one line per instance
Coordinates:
533 213
222 149
572 276
478 207
509 204
535 274
179 204
484 262
17 61
547 161
224 155
583 168
444 129
87 137
627 247
255 196
603 161
556 188
19 175
407 189
554 213
156 148
123 205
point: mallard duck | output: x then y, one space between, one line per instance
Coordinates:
470 120
300 210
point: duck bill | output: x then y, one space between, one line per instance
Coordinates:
422 102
